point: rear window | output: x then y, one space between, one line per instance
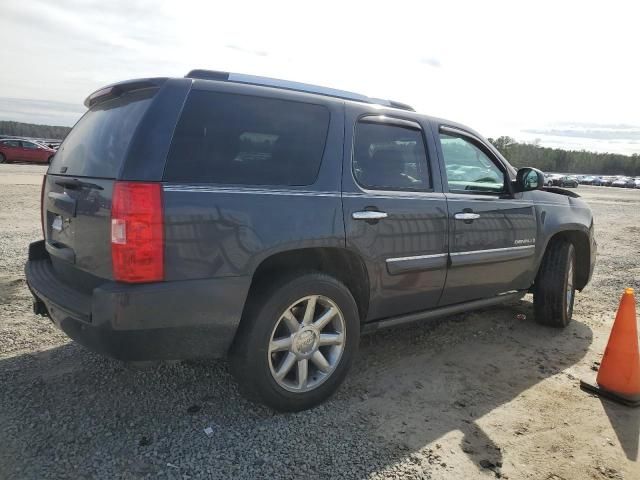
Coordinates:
98 143
239 139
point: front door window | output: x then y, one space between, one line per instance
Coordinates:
469 169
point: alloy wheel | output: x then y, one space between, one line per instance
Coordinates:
569 290
306 343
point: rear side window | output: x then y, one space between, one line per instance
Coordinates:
239 139
97 145
389 157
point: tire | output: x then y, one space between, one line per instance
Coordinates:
554 290
3 159
255 366
49 160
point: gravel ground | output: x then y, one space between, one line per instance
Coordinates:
480 395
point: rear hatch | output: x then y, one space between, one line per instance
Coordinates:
78 188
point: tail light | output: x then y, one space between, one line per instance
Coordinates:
44 182
137 232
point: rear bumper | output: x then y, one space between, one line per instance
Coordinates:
164 320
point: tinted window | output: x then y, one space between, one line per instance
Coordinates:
389 157
469 169
11 143
30 145
98 143
226 138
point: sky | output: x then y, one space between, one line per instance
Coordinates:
564 73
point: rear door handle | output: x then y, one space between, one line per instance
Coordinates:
369 215
466 216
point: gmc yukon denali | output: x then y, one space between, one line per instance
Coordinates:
273 222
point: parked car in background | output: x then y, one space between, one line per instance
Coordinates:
552 179
587 180
565 181
559 180
177 224
625 182
607 181
19 150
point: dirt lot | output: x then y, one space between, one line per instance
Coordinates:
479 395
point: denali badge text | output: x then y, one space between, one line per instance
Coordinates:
524 241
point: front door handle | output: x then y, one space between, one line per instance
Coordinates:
466 216
369 215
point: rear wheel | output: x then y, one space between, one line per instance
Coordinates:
554 291
3 159
296 342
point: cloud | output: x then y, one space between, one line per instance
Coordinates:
432 62
40 111
597 137
259 53
496 75
591 131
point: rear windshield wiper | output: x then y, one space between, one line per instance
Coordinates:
75 183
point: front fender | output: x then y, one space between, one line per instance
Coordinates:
570 219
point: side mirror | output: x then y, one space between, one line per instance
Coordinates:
529 179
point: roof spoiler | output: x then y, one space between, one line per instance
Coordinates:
117 89
289 85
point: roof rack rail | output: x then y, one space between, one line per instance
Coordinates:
289 85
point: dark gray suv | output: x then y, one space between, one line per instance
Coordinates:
274 222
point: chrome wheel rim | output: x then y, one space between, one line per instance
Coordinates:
569 286
306 343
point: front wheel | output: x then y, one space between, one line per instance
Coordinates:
3 159
296 342
554 290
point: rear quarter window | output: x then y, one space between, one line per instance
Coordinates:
240 139
98 143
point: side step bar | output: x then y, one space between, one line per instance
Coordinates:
441 312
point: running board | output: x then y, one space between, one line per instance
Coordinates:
441 312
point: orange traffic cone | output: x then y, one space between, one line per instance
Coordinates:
619 374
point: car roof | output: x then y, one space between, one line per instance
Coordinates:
316 90
241 78
200 77
384 107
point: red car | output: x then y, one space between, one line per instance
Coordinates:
17 150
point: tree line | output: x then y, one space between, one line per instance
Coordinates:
566 161
19 129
